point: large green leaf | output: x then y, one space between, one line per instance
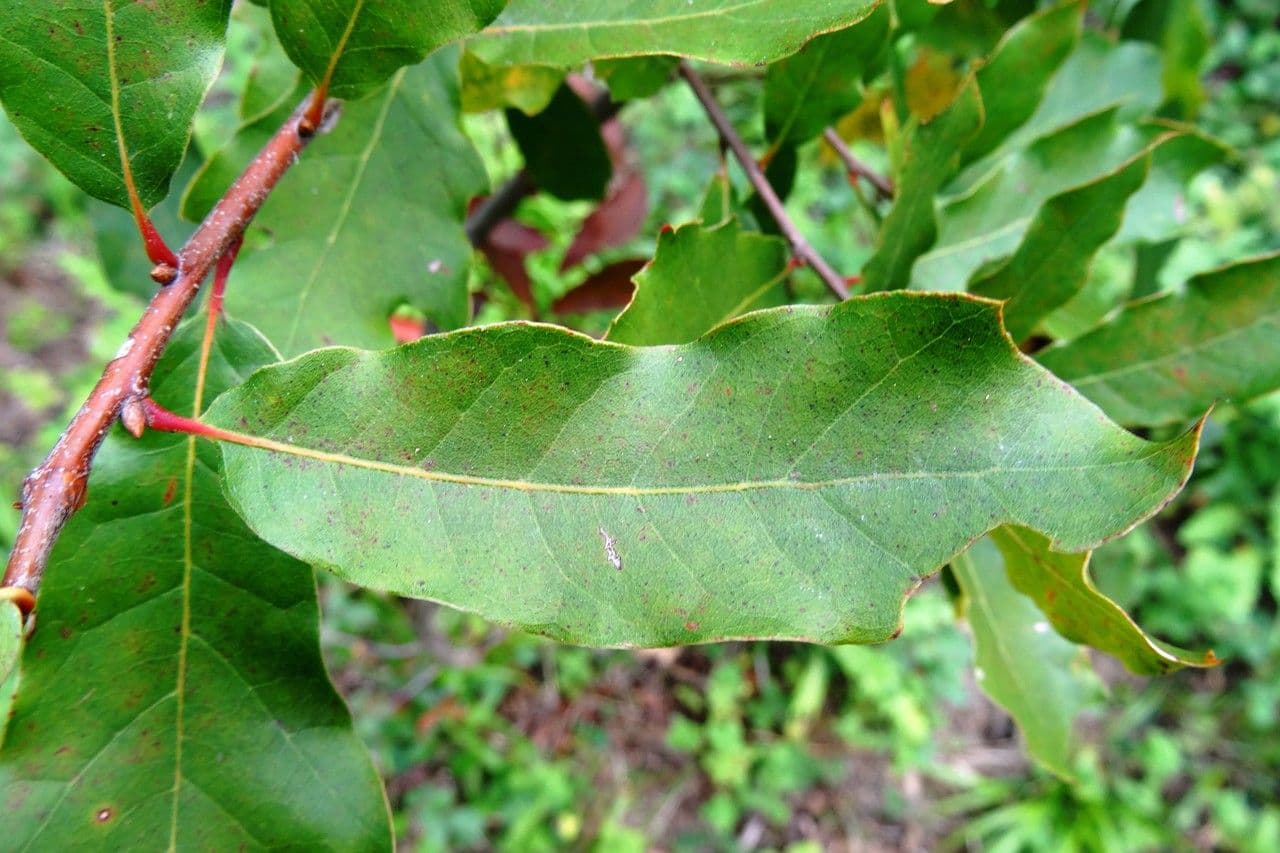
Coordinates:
931 154
1030 671
806 92
10 639
370 219
1170 357
174 695
1060 586
701 277
358 44
791 474
742 32
93 85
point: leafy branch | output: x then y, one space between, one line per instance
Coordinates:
57 488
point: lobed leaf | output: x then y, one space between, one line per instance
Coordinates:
98 88
174 694
357 45
1170 357
740 32
371 218
701 277
792 474
1025 667
1060 586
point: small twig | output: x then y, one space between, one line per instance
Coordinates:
55 490
799 245
884 187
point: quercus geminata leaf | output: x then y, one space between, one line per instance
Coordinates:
354 46
1172 356
701 277
370 218
812 89
931 154
98 86
987 224
173 694
1019 661
741 32
792 474
1061 588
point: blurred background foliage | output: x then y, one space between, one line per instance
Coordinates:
489 738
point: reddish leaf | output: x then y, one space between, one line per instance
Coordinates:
405 328
610 288
505 248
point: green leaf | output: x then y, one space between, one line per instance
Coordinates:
1014 80
806 92
1052 263
931 154
1179 29
986 225
371 218
95 85
10 639
174 694
358 44
1170 357
562 147
1060 586
1025 667
792 474
699 278
740 32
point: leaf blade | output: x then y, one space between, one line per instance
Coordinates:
515 493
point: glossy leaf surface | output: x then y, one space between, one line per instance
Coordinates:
701 277
743 32
791 474
358 44
86 83
1060 586
1170 357
1019 661
371 218
174 695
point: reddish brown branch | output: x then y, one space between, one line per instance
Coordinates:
799 245
55 490
855 167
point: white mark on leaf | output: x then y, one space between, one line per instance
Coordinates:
611 550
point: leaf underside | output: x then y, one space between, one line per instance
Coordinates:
793 474
741 32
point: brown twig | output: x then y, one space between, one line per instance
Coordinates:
55 490
799 245
884 187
